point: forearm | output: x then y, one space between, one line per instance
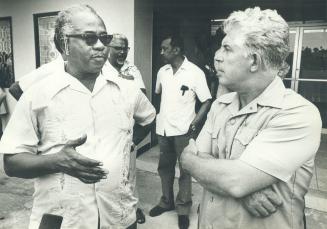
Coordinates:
226 177
206 177
140 132
205 107
26 165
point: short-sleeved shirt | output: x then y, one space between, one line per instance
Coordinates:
127 69
40 73
277 133
178 97
60 108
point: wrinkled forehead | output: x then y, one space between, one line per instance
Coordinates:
87 22
234 37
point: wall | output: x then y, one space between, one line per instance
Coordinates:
143 24
117 17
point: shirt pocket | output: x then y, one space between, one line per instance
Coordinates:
216 147
242 139
188 95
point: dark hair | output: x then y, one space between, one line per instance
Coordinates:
176 41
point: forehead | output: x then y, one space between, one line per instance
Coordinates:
87 22
118 42
166 42
234 38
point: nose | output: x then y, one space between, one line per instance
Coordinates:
218 56
161 51
99 45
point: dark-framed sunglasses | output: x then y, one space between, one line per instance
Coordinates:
92 38
120 49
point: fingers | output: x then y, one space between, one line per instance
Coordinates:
274 198
86 161
77 142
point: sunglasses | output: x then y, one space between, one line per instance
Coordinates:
92 38
120 49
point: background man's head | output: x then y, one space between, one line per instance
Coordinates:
118 50
172 46
82 38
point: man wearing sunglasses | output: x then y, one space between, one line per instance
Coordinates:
72 132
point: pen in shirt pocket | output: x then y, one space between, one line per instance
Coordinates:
184 88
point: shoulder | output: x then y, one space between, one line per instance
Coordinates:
194 68
164 68
298 111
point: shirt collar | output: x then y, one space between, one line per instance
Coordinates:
183 66
272 96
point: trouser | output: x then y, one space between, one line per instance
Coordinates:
170 150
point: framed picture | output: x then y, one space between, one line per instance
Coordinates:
45 50
7 76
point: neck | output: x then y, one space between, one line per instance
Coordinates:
115 65
177 62
87 79
253 90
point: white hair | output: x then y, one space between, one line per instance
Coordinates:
266 33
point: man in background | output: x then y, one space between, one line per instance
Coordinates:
179 82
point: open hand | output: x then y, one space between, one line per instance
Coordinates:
74 164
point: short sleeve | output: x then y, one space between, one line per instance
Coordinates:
158 83
20 135
204 140
138 78
144 112
201 87
290 139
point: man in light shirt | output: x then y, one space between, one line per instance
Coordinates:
261 136
179 82
72 132
118 66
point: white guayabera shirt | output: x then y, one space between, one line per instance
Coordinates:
60 108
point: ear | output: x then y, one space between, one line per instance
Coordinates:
255 62
177 49
66 47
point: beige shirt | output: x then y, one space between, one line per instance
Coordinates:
277 133
177 107
60 108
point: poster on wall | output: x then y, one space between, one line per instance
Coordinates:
6 53
45 49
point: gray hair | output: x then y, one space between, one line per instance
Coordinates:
266 33
119 36
63 23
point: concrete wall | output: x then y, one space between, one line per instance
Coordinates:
143 33
117 17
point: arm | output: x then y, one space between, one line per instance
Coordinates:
205 107
140 132
224 177
28 165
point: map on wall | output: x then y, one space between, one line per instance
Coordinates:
6 56
44 31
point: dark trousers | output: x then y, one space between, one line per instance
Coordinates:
170 150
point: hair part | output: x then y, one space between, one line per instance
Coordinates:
266 33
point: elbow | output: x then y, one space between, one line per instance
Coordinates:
236 191
8 166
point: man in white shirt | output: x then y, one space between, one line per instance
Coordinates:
72 132
179 82
118 51
118 66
